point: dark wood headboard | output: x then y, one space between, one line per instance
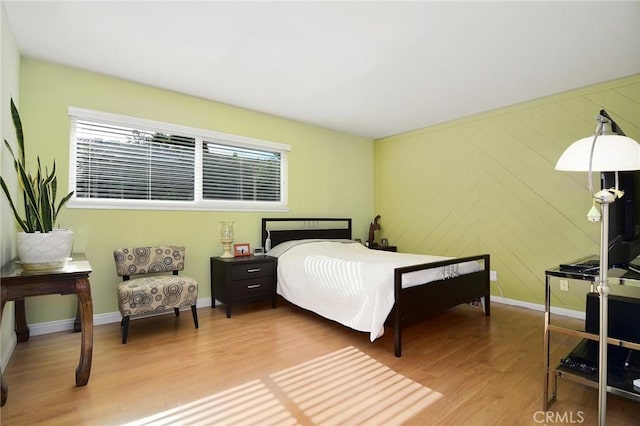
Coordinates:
300 228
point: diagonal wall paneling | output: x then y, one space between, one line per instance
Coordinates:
487 184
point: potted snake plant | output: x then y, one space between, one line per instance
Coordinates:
40 245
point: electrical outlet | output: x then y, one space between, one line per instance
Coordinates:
493 275
564 285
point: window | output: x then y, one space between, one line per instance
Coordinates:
125 162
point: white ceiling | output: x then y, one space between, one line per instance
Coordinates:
368 68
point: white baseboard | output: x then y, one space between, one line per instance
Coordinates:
536 307
99 319
8 351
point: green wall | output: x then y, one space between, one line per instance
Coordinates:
9 84
487 184
330 174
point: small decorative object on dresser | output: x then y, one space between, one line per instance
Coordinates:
241 249
226 238
373 226
243 279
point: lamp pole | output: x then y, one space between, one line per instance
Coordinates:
604 198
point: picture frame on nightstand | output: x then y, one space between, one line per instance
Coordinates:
241 249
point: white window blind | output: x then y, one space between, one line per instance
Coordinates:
131 164
123 162
232 173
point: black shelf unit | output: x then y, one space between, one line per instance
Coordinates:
619 381
623 366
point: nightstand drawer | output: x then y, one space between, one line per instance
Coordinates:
258 286
244 271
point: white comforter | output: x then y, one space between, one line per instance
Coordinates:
346 282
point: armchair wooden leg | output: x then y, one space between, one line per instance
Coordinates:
194 312
125 329
177 311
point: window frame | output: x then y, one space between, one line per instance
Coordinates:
201 136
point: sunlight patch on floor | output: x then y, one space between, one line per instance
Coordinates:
249 404
349 387
343 387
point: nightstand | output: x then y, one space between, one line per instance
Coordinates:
243 279
383 248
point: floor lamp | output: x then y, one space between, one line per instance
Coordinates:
605 151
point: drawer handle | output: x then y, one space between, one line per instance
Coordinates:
254 286
253 270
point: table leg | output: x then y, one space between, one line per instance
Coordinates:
4 393
83 291
77 323
547 337
3 386
21 327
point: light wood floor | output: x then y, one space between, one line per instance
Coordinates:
488 369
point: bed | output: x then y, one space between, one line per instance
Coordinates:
321 269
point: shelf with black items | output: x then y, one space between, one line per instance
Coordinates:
580 365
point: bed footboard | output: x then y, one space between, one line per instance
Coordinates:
417 302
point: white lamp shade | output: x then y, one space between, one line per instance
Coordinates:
611 153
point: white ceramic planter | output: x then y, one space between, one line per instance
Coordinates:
38 251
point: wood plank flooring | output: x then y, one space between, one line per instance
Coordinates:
489 370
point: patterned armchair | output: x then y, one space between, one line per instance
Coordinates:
155 291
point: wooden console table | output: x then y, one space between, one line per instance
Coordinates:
17 284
